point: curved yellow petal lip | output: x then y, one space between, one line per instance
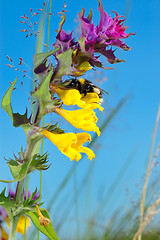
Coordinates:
73 97
70 144
84 119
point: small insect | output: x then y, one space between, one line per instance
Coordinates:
84 86
43 220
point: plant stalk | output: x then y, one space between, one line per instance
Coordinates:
12 228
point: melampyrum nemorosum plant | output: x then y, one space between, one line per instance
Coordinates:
57 85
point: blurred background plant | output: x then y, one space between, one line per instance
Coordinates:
101 199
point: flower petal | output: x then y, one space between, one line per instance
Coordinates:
70 144
84 119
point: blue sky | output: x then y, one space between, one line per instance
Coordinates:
138 76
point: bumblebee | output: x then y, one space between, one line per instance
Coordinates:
84 86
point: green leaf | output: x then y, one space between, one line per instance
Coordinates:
43 95
48 231
18 171
39 58
6 100
15 167
65 64
19 119
6 202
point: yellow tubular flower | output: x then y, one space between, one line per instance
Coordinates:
70 144
84 119
73 97
81 139
92 101
82 67
20 224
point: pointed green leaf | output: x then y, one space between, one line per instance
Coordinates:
6 100
46 230
39 58
43 95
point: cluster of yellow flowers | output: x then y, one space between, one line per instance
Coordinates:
71 144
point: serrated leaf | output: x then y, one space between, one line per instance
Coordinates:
6 100
19 119
43 95
6 202
46 230
39 58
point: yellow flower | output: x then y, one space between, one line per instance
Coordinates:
92 100
70 144
84 119
73 97
4 235
82 67
20 224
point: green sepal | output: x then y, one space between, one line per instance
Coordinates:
39 58
6 100
43 95
54 128
19 119
81 42
65 64
46 230
6 202
29 202
39 162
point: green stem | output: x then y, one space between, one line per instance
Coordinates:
27 187
49 21
14 219
12 228
19 190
